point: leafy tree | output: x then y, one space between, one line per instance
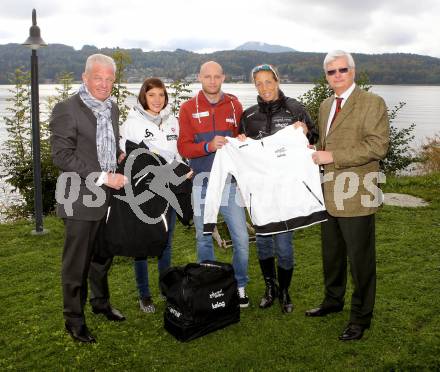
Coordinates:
179 93
66 81
18 122
120 91
16 150
16 158
399 154
312 98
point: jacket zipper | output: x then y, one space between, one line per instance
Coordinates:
268 123
213 120
311 192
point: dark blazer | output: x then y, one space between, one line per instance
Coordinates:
358 139
73 144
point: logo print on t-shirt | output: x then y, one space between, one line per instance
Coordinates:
148 133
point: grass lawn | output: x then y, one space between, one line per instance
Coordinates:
405 333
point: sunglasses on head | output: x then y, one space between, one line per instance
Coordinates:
343 70
264 67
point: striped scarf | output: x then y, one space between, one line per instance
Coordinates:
105 137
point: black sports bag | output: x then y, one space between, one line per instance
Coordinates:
201 298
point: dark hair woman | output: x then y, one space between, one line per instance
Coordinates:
151 121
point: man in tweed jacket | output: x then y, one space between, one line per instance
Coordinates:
354 137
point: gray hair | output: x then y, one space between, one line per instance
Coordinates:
332 56
100 59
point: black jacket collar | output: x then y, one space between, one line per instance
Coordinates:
272 106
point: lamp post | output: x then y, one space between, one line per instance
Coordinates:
34 41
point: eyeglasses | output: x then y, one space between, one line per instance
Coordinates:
264 67
343 70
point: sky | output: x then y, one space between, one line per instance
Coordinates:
203 26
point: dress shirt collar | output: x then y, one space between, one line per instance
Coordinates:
346 94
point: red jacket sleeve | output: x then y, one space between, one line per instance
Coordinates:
185 143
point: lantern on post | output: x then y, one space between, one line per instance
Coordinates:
34 41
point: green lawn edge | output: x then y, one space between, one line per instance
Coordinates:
405 333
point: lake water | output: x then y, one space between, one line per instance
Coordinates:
422 107
422 102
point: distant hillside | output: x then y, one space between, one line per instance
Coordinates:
293 66
263 47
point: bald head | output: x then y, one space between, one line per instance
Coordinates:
211 66
211 77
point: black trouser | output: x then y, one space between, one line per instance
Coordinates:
353 237
78 263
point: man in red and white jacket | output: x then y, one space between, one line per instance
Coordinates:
205 120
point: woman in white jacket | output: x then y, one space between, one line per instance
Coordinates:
152 122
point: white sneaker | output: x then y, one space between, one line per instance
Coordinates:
146 305
243 299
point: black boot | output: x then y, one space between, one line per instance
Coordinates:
284 279
269 275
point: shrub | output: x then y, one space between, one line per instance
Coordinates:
399 154
120 91
179 93
16 158
430 154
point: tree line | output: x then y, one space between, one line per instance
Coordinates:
295 67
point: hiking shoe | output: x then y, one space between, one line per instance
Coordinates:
146 305
242 298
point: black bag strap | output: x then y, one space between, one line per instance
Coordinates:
217 265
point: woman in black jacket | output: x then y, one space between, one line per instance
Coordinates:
273 112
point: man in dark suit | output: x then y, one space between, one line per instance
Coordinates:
84 141
354 137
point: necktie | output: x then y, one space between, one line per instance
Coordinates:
338 108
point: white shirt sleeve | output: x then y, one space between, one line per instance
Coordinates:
221 167
101 179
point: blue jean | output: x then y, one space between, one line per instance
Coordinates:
281 244
235 218
164 262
